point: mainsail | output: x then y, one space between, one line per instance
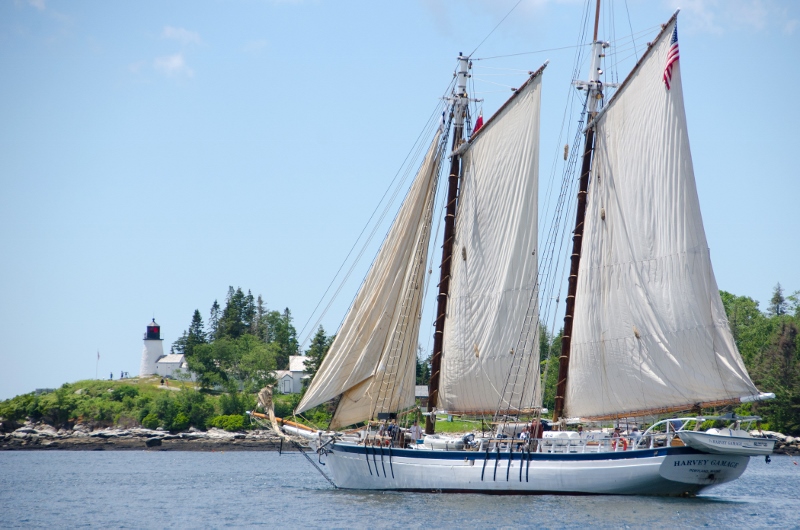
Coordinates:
650 333
492 310
372 361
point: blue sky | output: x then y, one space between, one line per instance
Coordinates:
154 153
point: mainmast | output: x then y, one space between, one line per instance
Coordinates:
459 108
594 88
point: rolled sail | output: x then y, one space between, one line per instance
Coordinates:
372 361
650 333
489 360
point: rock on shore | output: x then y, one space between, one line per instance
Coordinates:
82 437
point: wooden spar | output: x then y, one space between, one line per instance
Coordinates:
444 279
577 243
285 422
459 110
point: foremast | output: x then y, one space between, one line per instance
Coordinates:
459 108
594 94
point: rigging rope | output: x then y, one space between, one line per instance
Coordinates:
497 26
412 155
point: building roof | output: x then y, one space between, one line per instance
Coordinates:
297 363
280 374
421 391
176 358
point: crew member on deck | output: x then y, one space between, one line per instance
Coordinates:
415 431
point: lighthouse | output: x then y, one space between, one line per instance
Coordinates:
153 349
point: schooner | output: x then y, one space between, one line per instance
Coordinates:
645 333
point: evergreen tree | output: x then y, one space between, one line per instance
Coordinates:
282 332
196 334
249 312
190 339
777 304
232 324
315 354
258 327
179 346
213 322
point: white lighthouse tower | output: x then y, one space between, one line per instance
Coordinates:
153 349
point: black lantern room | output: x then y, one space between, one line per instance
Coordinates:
153 331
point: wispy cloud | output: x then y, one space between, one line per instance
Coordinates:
38 4
184 36
719 16
173 66
255 46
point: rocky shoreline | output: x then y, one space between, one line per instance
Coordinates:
84 438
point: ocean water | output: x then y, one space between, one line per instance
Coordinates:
127 489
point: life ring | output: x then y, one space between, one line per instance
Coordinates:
623 441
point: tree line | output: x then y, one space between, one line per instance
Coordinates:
243 344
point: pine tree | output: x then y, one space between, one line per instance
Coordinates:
213 322
258 327
282 332
777 305
191 338
316 352
232 324
196 334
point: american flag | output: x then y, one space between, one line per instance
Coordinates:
672 56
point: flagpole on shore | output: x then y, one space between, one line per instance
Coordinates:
97 364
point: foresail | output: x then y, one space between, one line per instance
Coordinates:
372 361
492 309
650 332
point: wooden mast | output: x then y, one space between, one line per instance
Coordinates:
593 91
459 107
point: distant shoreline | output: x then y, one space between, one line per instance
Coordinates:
82 437
143 439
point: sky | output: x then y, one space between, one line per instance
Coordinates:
154 153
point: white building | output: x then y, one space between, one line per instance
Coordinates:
154 362
291 381
168 364
153 349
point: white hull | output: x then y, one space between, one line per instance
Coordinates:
663 471
728 445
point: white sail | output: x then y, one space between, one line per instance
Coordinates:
650 333
372 361
492 301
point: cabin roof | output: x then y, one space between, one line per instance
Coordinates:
176 358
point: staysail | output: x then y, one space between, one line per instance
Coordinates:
650 332
492 308
372 361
